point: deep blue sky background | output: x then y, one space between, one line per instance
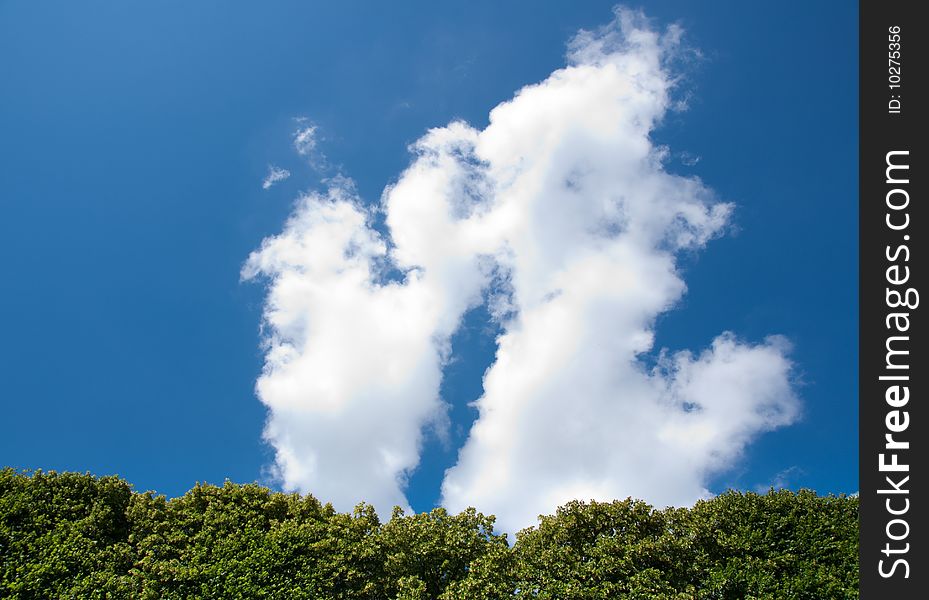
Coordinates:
134 137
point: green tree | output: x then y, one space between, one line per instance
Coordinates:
776 545
430 555
244 541
63 535
69 535
622 549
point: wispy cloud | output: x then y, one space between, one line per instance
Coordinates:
561 215
305 140
689 159
783 479
275 175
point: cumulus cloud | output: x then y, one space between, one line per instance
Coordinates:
353 363
275 175
560 215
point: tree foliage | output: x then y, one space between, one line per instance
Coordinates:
68 535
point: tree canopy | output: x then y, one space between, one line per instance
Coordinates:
71 535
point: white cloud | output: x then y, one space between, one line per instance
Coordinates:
688 159
305 139
560 214
351 372
275 175
781 480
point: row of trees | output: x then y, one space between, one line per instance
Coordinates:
69 535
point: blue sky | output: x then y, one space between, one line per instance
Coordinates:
134 140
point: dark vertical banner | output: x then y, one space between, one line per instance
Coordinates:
894 371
